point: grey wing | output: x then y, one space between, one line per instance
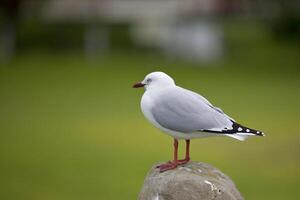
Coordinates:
184 111
209 104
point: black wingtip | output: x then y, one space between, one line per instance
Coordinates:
240 128
236 128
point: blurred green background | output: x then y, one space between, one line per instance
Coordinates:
71 125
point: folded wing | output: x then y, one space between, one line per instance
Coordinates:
184 111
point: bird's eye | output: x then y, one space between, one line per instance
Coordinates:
149 80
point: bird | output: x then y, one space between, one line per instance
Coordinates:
185 115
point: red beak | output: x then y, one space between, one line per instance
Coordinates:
138 85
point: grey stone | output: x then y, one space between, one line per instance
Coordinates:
192 181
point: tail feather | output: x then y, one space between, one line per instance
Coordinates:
238 137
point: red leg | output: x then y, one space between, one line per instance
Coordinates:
174 163
187 154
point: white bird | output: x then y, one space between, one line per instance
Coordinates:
184 114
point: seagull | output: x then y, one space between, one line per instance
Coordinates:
185 115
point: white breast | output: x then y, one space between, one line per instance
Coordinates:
147 104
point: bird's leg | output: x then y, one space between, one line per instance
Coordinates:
174 163
187 154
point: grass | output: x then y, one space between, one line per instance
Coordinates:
71 129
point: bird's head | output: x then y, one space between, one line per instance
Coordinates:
155 80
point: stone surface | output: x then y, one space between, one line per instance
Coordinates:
192 181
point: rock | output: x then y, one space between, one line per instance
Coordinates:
192 181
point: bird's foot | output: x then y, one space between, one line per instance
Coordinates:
180 162
167 166
183 161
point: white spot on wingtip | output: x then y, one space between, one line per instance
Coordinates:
247 130
257 131
240 129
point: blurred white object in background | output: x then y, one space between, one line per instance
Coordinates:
193 41
197 41
179 29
